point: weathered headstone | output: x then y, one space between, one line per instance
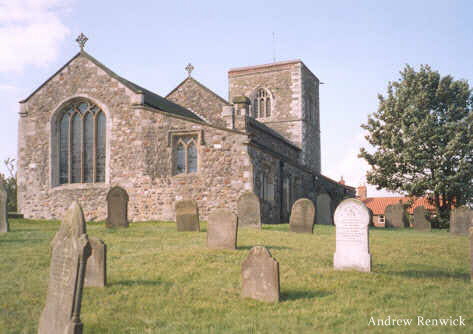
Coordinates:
96 271
260 276
249 210
70 250
460 220
470 232
3 209
302 216
324 209
187 216
395 216
352 236
222 229
420 221
117 208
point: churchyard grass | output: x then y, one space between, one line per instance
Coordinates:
164 281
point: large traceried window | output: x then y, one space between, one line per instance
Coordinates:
81 143
185 158
261 104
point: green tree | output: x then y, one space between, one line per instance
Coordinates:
422 135
10 184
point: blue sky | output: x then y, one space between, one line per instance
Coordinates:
355 47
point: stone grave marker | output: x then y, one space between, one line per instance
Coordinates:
460 220
352 236
302 216
470 232
260 276
187 216
70 250
324 209
222 229
117 208
395 216
96 271
4 227
249 210
420 221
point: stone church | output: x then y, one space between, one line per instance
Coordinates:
86 130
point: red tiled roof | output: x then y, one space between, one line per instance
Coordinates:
378 204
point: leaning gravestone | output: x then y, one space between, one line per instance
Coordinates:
187 216
117 208
3 209
260 276
222 229
70 250
302 216
249 210
352 236
324 209
460 220
420 221
395 216
470 232
96 271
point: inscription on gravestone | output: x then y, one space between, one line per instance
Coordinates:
4 227
70 250
117 208
302 216
395 216
96 271
420 221
460 220
187 216
352 236
249 210
260 276
222 229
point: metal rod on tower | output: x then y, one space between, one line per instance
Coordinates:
274 47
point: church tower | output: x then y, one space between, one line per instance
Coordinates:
285 97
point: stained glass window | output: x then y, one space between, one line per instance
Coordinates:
262 103
76 149
100 148
192 158
185 154
89 148
64 149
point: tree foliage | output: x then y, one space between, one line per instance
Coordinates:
422 135
10 184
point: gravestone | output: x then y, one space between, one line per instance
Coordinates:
260 276
187 216
324 209
70 250
249 210
302 216
222 229
420 221
470 232
117 208
3 209
352 236
395 216
460 220
96 271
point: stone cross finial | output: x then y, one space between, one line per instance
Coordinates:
81 40
189 69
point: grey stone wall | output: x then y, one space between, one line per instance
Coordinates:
198 98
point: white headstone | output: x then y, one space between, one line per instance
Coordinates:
352 238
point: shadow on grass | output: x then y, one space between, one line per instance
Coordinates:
430 274
139 282
303 294
267 246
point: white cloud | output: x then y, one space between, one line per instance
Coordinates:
31 32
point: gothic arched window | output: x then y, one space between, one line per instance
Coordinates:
185 154
81 143
261 103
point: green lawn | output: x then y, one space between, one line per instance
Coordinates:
162 281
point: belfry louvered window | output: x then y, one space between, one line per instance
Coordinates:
262 104
81 143
185 154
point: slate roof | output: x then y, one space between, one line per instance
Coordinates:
377 205
149 98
